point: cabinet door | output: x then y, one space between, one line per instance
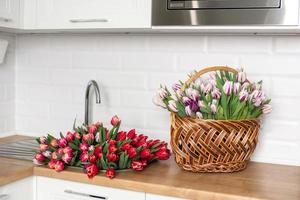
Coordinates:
9 13
19 190
159 197
79 14
54 189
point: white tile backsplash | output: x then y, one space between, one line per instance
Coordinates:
7 87
53 70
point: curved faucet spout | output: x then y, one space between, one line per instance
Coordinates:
87 99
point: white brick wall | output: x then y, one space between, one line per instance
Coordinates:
52 71
7 88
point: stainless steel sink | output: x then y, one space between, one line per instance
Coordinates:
22 149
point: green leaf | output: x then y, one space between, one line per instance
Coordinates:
121 160
74 146
38 140
181 109
61 135
103 163
112 165
105 147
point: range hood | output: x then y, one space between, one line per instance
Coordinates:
224 12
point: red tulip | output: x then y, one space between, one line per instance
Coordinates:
110 173
40 157
107 134
112 157
92 129
125 147
163 154
77 135
70 136
131 134
91 170
112 148
145 153
59 166
151 143
92 159
43 147
68 150
112 142
84 156
54 143
163 147
115 120
137 165
62 142
98 151
121 136
83 146
132 152
51 164
144 163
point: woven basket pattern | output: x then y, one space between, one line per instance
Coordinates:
213 145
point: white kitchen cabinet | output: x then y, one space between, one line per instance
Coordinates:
93 14
159 197
9 13
55 189
19 190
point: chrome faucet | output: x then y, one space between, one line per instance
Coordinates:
87 99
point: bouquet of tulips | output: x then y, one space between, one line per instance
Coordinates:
221 96
96 148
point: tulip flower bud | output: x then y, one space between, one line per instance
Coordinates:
158 101
59 166
236 88
43 140
110 173
213 108
199 115
241 77
115 120
201 104
228 87
216 94
172 106
243 96
188 111
176 87
267 108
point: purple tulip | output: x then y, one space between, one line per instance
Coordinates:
172 106
243 96
216 94
236 88
162 93
241 77
192 94
228 87
267 108
176 87
193 105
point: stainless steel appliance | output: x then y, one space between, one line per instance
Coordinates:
224 12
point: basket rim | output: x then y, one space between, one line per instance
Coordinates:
216 120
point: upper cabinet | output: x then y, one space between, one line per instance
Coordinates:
9 13
93 14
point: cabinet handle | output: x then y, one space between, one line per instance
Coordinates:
84 195
3 196
88 20
3 19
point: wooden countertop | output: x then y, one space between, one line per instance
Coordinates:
258 181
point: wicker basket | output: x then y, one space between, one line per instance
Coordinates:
213 145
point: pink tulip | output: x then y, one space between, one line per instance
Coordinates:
115 120
83 146
39 157
43 147
67 157
62 142
59 166
43 140
70 137
51 164
67 150
84 156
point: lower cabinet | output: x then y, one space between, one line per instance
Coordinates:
19 190
54 189
159 197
